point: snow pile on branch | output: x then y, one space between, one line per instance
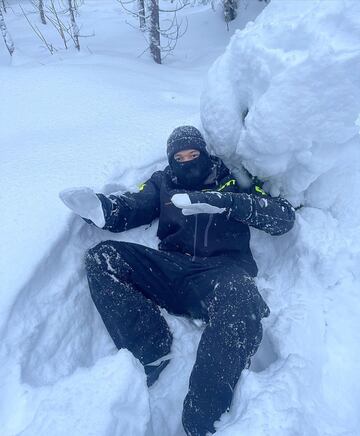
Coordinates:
284 101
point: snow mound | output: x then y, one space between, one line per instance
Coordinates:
284 101
100 400
285 96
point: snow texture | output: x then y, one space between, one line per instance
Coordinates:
284 100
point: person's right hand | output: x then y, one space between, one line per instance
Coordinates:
84 202
194 202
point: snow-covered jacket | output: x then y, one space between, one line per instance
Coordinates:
203 234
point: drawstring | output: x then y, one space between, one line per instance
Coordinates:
195 236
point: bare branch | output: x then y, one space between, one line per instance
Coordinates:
132 13
53 16
170 30
174 10
38 32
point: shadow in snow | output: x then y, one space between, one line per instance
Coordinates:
265 355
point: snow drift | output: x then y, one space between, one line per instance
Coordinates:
294 71
284 100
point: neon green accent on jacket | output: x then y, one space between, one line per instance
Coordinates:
228 183
258 189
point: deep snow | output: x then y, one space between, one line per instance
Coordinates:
295 70
100 119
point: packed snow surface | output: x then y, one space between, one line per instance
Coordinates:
284 101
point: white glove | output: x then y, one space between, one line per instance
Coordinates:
84 202
183 202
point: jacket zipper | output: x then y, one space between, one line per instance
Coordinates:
195 237
207 230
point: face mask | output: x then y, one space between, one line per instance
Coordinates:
192 174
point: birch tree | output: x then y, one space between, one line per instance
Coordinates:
141 7
41 10
161 39
154 30
74 27
3 5
6 35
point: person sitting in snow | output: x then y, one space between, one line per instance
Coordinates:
203 269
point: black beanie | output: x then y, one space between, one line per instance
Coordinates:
185 138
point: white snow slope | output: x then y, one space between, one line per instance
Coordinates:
100 118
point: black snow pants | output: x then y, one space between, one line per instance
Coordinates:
128 282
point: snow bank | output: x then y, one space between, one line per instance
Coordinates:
100 400
294 71
284 100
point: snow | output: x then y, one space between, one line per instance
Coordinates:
100 118
109 394
294 79
293 70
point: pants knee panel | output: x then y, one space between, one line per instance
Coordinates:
239 296
106 258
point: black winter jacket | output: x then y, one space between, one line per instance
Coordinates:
203 234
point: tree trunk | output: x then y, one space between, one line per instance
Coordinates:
141 6
6 35
74 26
4 5
153 6
230 7
41 10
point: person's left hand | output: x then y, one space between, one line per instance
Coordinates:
210 202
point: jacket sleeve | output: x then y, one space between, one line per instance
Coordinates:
274 215
132 209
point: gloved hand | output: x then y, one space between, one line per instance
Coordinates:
193 203
84 202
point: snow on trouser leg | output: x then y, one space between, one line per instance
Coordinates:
231 337
133 321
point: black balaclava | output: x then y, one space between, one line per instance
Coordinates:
191 174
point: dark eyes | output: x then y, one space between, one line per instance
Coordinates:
182 159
